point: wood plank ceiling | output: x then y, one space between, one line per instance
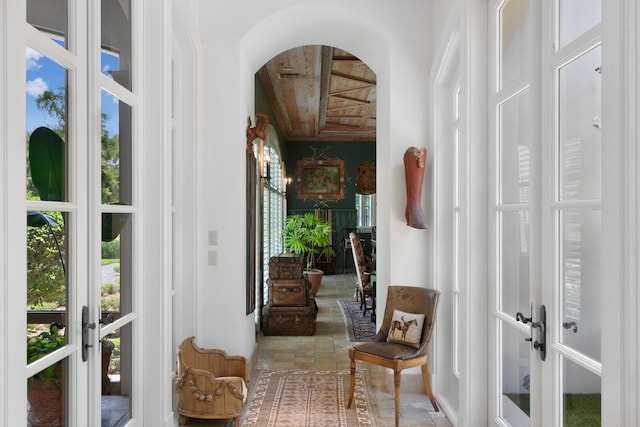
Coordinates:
321 93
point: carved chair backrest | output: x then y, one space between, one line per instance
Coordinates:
217 362
359 260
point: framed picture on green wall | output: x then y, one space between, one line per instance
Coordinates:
320 179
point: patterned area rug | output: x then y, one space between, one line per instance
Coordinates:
359 328
283 398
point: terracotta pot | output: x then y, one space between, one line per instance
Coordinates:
315 278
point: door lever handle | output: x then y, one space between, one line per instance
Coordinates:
85 333
570 325
108 319
541 324
521 318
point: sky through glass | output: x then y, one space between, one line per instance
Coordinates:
45 74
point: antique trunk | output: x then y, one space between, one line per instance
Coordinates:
288 292
289 320
285 266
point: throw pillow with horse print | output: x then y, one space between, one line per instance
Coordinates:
406 328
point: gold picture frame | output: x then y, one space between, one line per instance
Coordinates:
320 179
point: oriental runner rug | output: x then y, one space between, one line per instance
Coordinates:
282 398
359 328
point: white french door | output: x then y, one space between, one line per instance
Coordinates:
81 211
546 213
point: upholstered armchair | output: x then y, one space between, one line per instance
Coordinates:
210 383
403 340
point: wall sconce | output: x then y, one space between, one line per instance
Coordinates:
267 159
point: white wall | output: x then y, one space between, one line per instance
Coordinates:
394 40
446 78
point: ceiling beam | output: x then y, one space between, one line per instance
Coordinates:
349 98
325 80
355 78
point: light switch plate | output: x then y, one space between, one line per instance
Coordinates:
213 237
213 257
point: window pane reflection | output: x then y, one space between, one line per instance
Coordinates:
581 282
116 151
576 17
49 16
116 40
580 138
515 403
515 39
515 150
514 262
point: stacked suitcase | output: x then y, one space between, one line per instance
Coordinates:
290 309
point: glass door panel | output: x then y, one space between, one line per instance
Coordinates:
576 223
117 376
48 237
46 128
117 261
47 292
47 396
560 211
581 396
580 280
515 43
579 128
577 17
116 41
515 149
515 383
50 16
117 265
116 151
514 262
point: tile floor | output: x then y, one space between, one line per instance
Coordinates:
328 348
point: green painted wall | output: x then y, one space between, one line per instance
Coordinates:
343 212
352 153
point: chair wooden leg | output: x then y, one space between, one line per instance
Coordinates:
427 386
236 422
396 394
352 382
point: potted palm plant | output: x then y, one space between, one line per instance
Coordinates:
308 235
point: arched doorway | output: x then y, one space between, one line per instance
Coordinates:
321 105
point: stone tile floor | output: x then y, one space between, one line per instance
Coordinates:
328 348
